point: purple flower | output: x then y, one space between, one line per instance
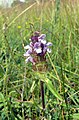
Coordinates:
38 47
29 50
41 38
34 38
30 59
49 44
27 47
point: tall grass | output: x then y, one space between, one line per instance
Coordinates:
19 84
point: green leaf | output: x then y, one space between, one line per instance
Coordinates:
72 98
1 72
32 87
49 85
2 99
76 116
52 89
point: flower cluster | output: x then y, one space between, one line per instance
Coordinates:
37 48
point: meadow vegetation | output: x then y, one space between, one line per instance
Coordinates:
20 94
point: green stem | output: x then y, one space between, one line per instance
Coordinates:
22 95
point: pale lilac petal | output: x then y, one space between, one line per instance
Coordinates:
26 54
38 50
43 41
49 44
29 39
27 60
27 47
30 59
31 44
37 45
42 36
49 50
45 50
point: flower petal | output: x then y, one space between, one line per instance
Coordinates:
34 39
28 52
49 44
31 44
30 59
38 50
45 50
27 47
49 50
37 45
42 36
43 41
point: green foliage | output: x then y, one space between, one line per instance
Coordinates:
20 95
50 86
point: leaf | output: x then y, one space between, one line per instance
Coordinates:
2 99
52 89
32 87
49 85
76 116
1 72
72 98
13 94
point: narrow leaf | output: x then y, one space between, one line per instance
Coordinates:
49 85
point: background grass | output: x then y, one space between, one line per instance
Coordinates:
19 84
